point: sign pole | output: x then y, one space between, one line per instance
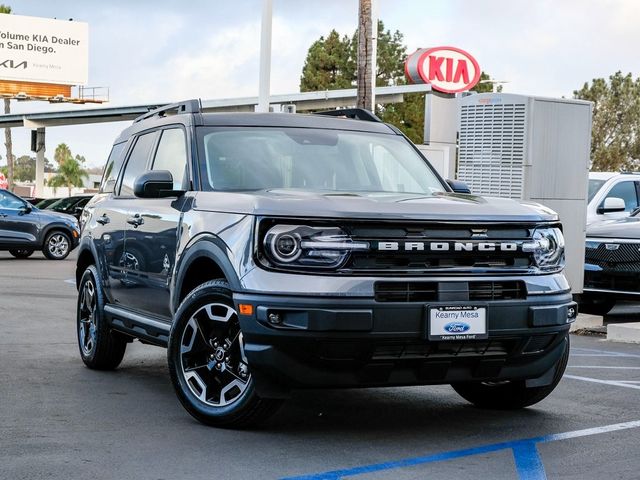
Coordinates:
265 57
40 146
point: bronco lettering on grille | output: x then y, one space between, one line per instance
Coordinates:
448 246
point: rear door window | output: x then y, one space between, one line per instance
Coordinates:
137 163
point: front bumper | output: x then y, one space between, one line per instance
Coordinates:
350 342
609 282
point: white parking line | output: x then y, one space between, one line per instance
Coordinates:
70 280
613 383
591 352
597 367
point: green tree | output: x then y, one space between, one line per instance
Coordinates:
331 64
615 134
24 169
485 84
70 171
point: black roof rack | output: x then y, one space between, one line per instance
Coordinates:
353 113
187 106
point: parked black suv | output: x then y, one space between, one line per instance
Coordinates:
70 205
611 264
272 252
25 228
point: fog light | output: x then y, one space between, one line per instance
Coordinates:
274 318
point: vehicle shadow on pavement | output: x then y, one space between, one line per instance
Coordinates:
392 411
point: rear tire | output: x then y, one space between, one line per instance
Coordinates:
513 394
100 348
21 253
207 364
57 245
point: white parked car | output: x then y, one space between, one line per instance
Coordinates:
612 195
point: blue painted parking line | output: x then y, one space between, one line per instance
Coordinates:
527 459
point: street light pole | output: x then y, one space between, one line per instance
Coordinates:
265 57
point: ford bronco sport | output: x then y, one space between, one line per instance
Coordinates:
271 252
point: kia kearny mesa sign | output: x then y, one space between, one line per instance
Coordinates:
43 50
447 69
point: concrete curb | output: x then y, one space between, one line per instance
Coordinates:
624 332
586 322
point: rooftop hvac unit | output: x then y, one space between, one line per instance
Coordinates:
530 148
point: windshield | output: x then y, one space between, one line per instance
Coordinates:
594 186
242 158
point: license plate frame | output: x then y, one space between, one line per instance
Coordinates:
456 322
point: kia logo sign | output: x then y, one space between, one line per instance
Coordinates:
447 69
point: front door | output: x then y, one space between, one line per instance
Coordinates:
153 229
19 225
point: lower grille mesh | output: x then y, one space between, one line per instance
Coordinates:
462 291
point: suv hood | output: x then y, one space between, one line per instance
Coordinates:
53 215
628 227
401 206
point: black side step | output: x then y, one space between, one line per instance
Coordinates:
151 330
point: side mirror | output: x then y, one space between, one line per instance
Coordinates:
26 208
612 204
78 210
458 187
155 184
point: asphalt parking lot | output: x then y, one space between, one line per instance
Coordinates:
59 420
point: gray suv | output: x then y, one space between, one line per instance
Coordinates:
272 252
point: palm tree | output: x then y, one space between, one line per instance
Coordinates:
70 172
7 131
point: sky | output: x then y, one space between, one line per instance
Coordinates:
149 51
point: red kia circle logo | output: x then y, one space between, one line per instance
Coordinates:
447 69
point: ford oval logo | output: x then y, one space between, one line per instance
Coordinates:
457 327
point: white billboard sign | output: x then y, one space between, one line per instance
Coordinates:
44 50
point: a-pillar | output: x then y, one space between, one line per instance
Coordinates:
40 147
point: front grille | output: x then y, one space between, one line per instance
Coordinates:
450 291
425 260
623 258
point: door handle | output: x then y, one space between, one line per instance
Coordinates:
136 220
103 220
3 214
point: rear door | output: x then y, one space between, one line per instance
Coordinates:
153 228
18 227
112 213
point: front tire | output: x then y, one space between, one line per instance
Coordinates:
207 363
57 245
100 348
21 253
513 394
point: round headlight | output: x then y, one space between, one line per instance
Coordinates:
547 248
286 247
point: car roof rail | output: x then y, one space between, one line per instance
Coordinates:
187 106
353 113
